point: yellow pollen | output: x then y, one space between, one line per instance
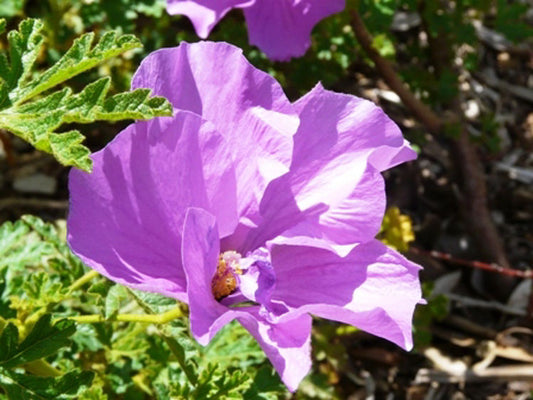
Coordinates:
224 282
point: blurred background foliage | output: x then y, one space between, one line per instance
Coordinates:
136 361
399 29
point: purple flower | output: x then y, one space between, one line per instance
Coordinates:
280 28
249 207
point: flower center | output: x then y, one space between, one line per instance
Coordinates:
242 281
225 281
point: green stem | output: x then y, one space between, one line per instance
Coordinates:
82 281
144 318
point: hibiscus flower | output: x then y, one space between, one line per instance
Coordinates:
247 206
280 28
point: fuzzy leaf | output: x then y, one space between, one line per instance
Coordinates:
36 120
79 58
24 46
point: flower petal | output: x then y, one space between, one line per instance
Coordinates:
334 126
340 147
350 218
204 14
258 279
342 144
282 28
246 105
334 190
373 288
287 345
199 251
125 217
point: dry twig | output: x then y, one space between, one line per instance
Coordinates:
469 169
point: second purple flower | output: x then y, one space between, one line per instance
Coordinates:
280 28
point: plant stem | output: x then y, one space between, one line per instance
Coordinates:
82 281
474 205
143 318
422 112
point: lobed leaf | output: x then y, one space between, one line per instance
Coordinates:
24 46
79 58
36 120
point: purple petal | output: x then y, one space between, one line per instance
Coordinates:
199 251
286 344
246 105
258 279
282 28
373 288
334 125
204 14
349 218
126 216
340 147
334 190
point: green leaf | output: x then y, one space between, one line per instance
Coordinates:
79 58
116 295
19 247
266 385
136 104
233 346
94 393
39 288
10 236
153 303
36 266
9 342
215 383
43 340
11 8
37 120
23 386
68 150
2 25
177 346
24 46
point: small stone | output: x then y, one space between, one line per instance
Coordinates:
472 109
35 183
403 21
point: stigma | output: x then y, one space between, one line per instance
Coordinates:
225 281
